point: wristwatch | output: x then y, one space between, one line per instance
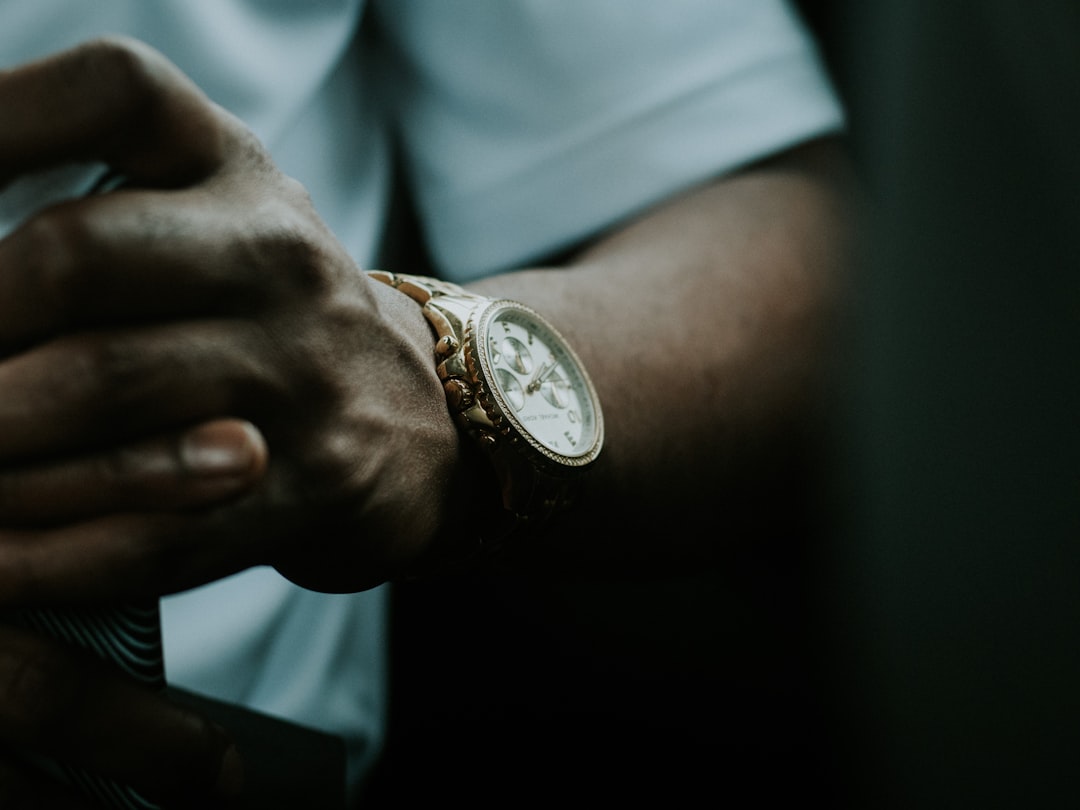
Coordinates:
516 388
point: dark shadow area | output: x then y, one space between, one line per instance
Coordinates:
676 692
951 589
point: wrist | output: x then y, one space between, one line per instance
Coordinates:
528 415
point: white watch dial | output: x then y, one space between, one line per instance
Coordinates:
539 383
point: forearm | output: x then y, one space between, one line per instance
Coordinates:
705 326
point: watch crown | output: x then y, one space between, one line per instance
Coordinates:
446 346
459 395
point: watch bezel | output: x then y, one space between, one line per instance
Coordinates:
479 357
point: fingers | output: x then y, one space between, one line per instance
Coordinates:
229 231
122 257
66 268
58 702
88 391
233 247
195 468
131 555
114 100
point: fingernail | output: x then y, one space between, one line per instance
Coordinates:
220 448
230 781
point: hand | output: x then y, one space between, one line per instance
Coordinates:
189 470
59 703
207 289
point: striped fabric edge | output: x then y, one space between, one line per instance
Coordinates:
127 636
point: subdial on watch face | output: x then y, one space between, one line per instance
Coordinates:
511 388
556 390
513 353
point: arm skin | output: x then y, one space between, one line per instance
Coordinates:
705 326
207 306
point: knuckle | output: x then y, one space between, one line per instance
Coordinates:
99 367
53 244
145 99
287 245
130 69
296 193
299 261
335 470
100 375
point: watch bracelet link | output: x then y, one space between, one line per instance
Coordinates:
420 288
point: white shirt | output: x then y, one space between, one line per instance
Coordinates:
526 126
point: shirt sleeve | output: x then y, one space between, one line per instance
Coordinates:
529 125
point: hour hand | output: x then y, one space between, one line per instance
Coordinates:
542 372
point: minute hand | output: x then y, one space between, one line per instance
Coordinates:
545 369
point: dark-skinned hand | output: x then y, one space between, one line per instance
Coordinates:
202 299
195 378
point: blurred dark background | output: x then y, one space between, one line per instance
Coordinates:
910 639
951 589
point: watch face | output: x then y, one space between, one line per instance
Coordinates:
538 383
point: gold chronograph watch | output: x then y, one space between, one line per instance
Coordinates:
516 388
